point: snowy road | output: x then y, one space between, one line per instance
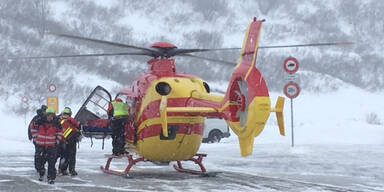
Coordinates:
272 167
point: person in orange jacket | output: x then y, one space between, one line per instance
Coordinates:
71 135
47 137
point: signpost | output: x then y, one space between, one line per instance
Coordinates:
52 87
291 88
291 65
53 101
24 99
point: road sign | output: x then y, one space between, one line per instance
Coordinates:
291 65
291 77
53 102
291 90
24 99
52 87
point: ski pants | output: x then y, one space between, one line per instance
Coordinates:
118 138
68 157
35 158
46 154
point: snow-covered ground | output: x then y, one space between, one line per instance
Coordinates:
339 146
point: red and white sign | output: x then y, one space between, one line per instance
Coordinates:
291 65
24 99
52 87
291 90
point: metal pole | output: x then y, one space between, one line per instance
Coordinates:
293 143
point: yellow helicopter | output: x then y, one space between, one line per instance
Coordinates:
168 109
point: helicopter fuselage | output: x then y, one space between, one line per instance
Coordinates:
185 129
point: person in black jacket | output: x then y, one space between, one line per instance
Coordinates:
37 120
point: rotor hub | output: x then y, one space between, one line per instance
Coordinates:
162 44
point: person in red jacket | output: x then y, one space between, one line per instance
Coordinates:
33 126
71 135
48 135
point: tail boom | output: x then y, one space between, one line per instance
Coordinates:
246 105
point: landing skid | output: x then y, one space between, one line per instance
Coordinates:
125 173
197 159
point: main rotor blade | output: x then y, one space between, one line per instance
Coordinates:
208 59
101 41
306 45
182 51
80 55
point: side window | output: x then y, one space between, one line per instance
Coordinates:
95 106
98 103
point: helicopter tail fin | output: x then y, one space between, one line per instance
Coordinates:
246 105
279 114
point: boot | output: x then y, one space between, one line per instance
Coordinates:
62 173
73 173
51 181
41 175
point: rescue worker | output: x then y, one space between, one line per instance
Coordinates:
47 138
33 125
118 117
71 135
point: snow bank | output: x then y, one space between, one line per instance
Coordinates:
347 116
14 135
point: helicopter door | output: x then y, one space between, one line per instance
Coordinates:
93 114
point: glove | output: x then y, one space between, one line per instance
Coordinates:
39 112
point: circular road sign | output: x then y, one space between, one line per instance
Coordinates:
291 90
24 99
291 65
52 87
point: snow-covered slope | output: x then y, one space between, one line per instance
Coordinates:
188 24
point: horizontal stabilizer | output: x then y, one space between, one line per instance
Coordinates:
279 114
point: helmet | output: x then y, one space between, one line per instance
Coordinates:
43 107
50 110
118 100
67 110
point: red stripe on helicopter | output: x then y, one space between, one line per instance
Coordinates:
183 128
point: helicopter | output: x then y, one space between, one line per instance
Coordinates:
168 108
